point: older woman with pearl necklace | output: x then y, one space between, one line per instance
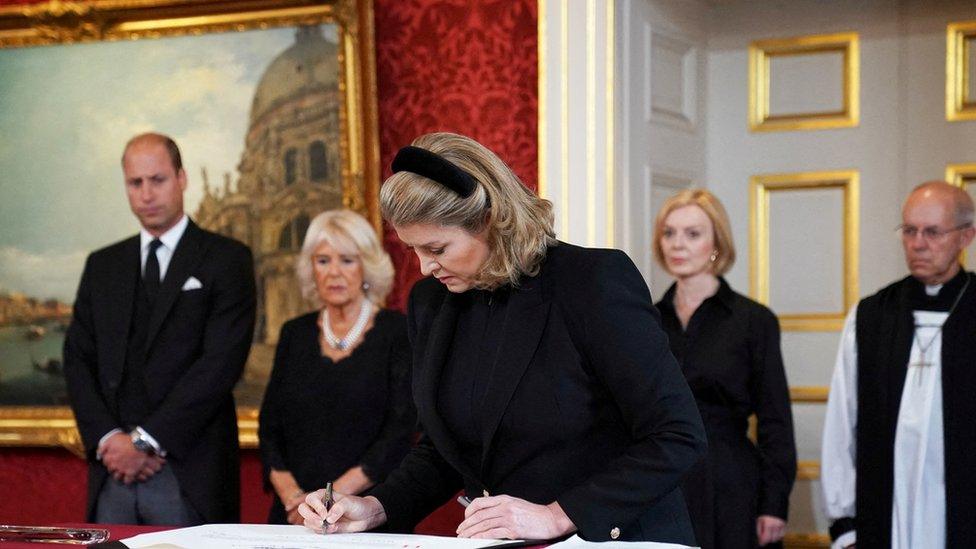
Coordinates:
351 357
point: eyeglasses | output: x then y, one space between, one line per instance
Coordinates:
929 234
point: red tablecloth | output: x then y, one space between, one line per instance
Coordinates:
116 532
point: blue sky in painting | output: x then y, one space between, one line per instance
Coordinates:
67 111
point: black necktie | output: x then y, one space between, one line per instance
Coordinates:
151 275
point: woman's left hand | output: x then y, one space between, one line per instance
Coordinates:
291 507
498 517
769 529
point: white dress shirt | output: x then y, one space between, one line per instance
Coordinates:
164 253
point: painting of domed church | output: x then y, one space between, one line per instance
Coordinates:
290 171
272 128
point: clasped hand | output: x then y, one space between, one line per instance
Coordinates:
125 463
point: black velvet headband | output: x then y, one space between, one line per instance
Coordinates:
436 168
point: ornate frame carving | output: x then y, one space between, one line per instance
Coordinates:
67 22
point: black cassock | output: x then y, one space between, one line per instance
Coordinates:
885 328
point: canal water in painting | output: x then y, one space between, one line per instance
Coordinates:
30 365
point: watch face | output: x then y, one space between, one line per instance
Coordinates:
141 445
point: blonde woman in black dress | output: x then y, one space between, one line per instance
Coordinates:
728 348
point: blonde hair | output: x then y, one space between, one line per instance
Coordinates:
721 228
349 233
518 223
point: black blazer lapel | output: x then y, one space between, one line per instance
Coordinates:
432 361
188 254
119 303
525 320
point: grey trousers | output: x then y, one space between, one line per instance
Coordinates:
156 501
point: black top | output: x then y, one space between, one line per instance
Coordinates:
730 355
319 418
582 404
464 381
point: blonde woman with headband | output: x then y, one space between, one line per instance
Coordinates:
728 348
542 377
349 357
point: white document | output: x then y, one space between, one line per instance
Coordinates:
576 542
270 536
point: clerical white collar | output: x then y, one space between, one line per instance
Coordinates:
933 290
170 238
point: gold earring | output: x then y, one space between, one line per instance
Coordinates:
713 257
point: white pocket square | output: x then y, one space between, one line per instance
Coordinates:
192 284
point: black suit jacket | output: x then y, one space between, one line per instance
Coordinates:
587 406
197 344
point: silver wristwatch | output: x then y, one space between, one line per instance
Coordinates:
141 442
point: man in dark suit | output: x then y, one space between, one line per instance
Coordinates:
161 330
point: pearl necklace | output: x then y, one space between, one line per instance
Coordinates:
354 333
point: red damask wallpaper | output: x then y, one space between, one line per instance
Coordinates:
466 66
460 66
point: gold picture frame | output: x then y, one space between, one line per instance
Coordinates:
69 22
960 38
809 394
961 175
760 53
760 189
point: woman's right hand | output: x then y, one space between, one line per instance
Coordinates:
348 513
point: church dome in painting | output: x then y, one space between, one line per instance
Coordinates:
312 62
290 170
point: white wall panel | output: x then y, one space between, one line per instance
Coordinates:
806 251
809 360
806 83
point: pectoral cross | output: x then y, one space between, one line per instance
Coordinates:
922 364
923 349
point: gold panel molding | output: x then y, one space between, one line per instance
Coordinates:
808 470
760 189
962 176
760 53
809 395
960 40
805 541
559 71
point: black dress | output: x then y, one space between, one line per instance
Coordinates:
319 418
730 355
